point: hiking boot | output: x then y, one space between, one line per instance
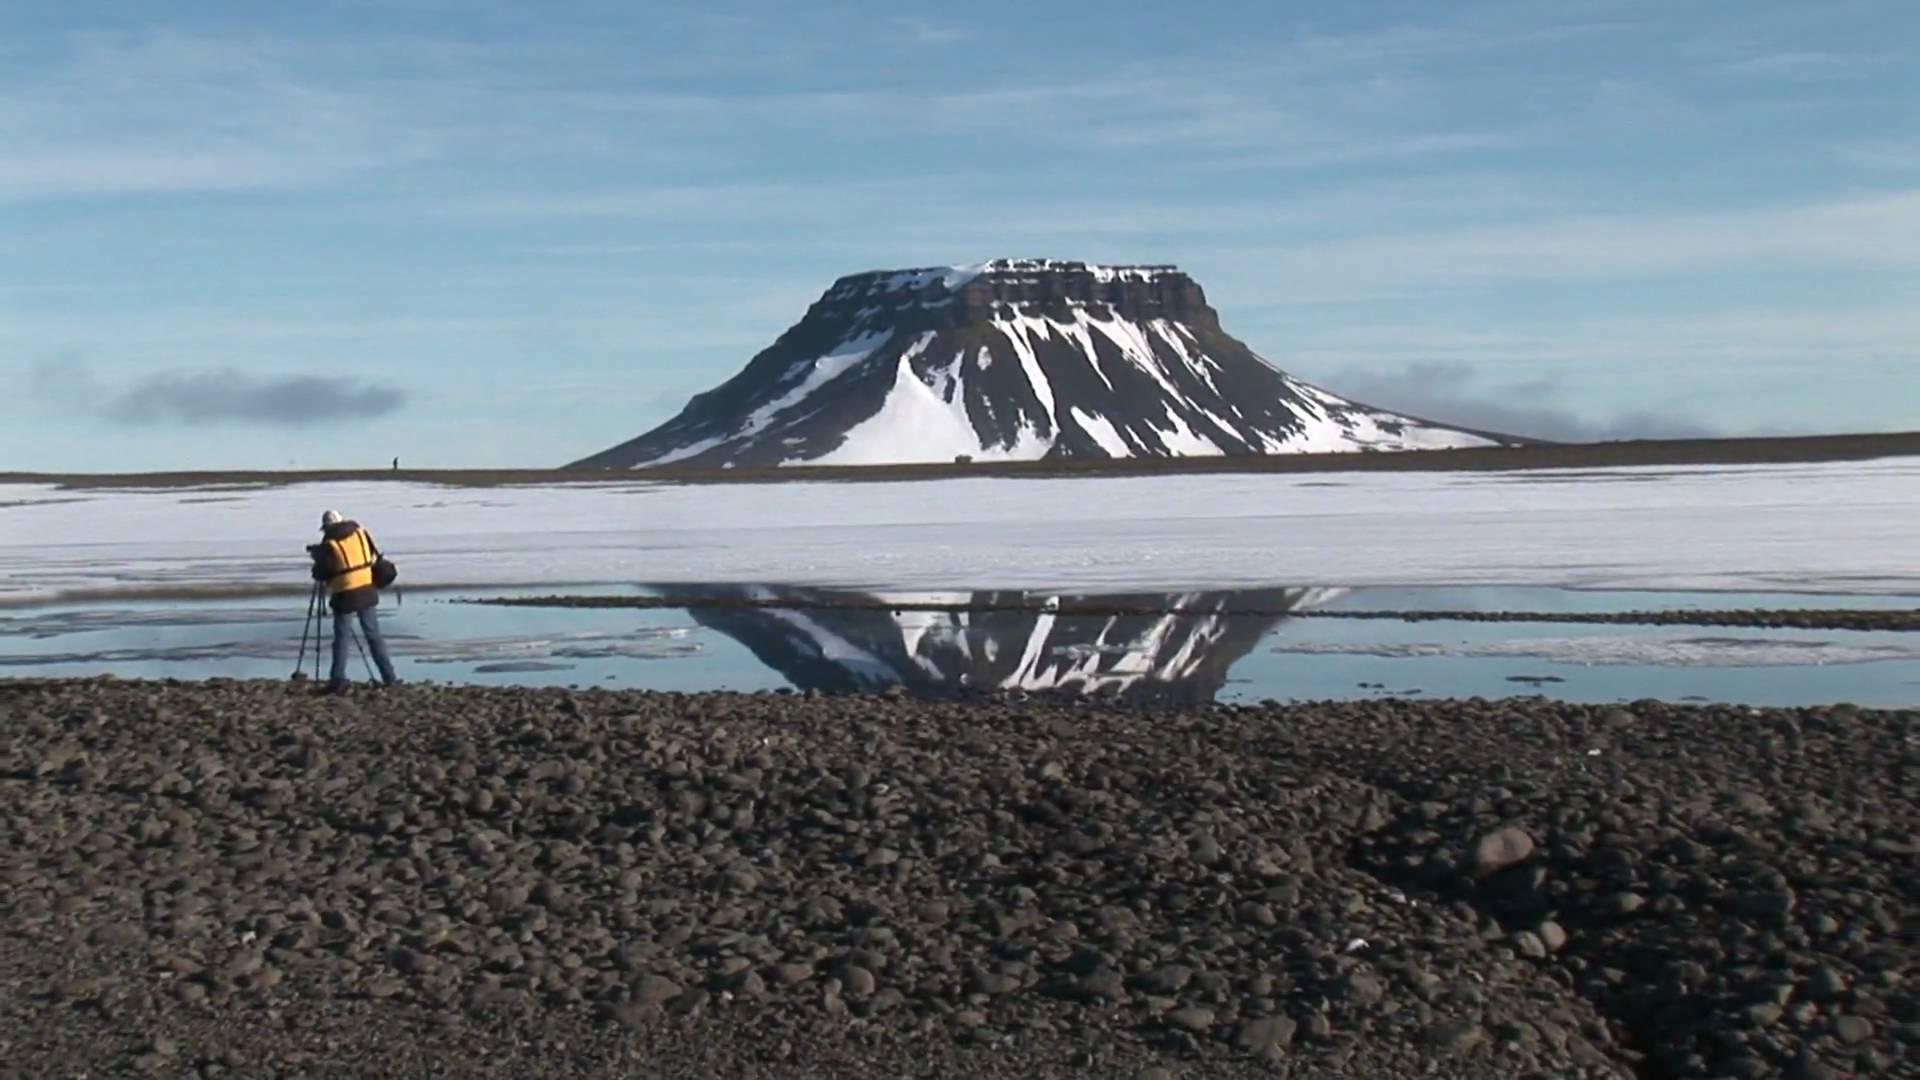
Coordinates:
332 690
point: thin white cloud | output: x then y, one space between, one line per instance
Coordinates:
1221 226
1892 155
1362 243
922 31
168 112
733 202
171 111
1718 341
92 169
1386 148
1805 66
135 341
940 217
1868 231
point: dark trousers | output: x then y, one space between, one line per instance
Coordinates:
343 629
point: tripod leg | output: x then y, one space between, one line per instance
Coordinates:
306 624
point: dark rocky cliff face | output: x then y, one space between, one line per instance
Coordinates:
1013 359
941 300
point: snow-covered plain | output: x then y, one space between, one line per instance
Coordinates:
1849 527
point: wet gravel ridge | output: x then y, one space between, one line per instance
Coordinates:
237 878
1899 619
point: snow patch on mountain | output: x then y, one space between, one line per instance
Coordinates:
813 376
914 424
1103 432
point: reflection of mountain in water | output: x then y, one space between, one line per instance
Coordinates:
1176 646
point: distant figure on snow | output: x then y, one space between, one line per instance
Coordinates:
396 464
343 560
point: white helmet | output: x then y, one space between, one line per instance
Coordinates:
331 517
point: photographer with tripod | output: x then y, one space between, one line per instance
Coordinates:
348 565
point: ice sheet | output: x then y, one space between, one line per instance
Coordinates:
1848 527
1659 650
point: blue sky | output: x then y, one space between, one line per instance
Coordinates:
513 234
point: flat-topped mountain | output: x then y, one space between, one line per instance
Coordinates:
1014 359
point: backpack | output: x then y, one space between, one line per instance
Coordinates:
384 572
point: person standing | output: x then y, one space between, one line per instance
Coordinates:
343 561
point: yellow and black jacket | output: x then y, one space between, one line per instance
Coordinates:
343 560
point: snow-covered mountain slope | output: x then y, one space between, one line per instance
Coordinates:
1165 646
1014 360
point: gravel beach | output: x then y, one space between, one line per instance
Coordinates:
241 879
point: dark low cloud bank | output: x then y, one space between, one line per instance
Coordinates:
214 396
1453 393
